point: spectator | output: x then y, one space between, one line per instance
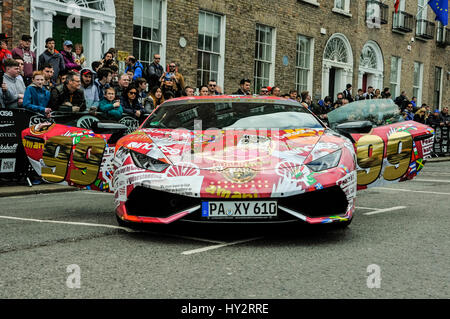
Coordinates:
188 91
157 96
130 103
293 95
176 77
14 85
347 94
130 76
47 69
5 54
212 87
154 72
360 95
244 87
409 115
168 87
110 106
435 119
122 85
80 59
29 58
19 60
89 88
69 61
369 94
421 116
36 97
108 60
385 93
103 81
135 67
324 106
97 65
345 101
204 91
62 77
401 100
306 99
141 86
276 91
264 91
377 94
68 96
50 56
115 74
414 102
445 117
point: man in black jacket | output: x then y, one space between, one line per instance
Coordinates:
348 93
244 88
68 97
154 72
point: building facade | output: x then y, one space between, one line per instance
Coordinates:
314 45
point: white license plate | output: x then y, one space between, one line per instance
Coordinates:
239 209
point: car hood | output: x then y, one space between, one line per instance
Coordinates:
221 149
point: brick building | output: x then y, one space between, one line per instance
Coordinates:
314 45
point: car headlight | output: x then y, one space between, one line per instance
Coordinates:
148 163
325 162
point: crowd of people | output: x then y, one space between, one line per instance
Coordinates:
61 81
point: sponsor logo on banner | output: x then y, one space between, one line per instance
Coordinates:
8 148
8 165
6 113
8 135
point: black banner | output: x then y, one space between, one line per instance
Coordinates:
441 140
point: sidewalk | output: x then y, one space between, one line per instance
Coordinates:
6 191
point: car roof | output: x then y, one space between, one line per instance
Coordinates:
230 98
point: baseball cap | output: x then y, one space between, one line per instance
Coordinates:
68 43
436 111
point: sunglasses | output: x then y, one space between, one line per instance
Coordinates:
157 58
213 85
132 93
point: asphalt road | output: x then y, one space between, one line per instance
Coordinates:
396 247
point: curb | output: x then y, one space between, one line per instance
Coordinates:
438 159
8 191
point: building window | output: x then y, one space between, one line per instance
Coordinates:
147 34
421 16
341 6
396 67
303 73
417 85
210 48
264 56
437 87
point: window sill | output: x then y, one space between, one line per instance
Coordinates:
312 2
340 11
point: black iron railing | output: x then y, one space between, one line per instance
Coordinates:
425 29
402 22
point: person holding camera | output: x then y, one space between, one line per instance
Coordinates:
174 78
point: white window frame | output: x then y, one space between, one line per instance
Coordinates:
221 64
418 87
162 42
309 84
396 81
345 11
422 13
271 63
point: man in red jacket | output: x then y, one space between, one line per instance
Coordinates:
5 54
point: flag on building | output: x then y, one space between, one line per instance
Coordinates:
440 8
396 5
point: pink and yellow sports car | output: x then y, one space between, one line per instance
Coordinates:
235 159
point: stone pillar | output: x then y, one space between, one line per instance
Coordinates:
92 40
325 79
44 19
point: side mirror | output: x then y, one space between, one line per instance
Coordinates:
359 127
116 130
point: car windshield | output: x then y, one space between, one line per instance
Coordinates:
226 114
379 112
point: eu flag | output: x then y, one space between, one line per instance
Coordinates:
440 7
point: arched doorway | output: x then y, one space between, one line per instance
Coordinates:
91 22
371 67
337 65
